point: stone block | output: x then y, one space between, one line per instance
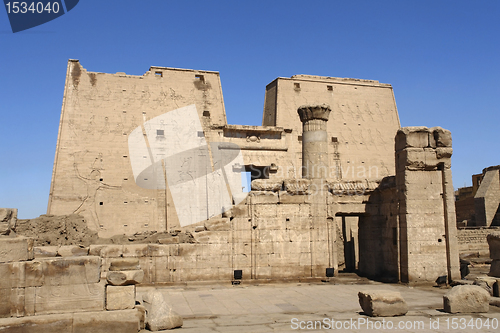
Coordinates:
158 250
494 245
135 250
72 251
69 298
267 184
29 301
382 303
415 137
11 302
466 299
111 251
297 186
16 249
12 275
160 315
95 250
218 225
161 270
441 136
263 198
123 321
58 323
120 297
33 271
269 223
265 211
287 198
67 270
495 268
240 210
45 251
124 278
124 264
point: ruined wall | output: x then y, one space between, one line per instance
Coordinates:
474 241
361 131
379 234
428 243
487 198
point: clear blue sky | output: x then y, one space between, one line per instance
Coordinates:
441 57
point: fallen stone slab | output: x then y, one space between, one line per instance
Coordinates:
57 323
159 314
382 303
124 278
125 264
124 321
16 249
466 299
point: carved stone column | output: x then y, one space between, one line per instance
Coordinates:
314 141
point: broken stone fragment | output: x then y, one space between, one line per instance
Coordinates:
486 283
124 278
382 303
494 245
466 299
159 314
8 219
125 264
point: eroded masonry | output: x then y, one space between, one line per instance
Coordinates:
336 182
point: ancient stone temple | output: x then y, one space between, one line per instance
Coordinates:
336 182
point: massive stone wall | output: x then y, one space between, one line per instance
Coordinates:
93 168
92 173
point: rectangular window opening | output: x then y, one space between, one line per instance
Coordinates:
200 78
296 86
206 113
101 203
300 138
159 74
160 132
334 139
330 88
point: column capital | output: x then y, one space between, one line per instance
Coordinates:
310 112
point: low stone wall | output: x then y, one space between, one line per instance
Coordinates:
32 290
473 240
